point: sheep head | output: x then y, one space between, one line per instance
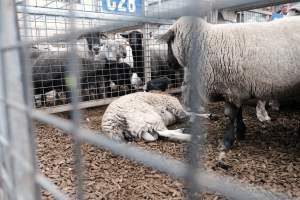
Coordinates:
179 39
135 39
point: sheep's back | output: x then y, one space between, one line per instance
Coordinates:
132 114
138 112
256 59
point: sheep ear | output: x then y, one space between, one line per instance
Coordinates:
168 36
102 35
81 36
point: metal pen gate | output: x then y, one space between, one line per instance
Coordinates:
19 176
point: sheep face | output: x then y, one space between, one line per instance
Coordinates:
135 39
113 50
179 38
94 41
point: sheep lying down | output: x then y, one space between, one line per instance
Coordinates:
144 116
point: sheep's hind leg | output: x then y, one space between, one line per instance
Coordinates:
241 127
235 126
261 113
175 135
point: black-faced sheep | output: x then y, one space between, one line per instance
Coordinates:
119 68
160 84
237 62
143 115
135 39
49 70
119 78
159 61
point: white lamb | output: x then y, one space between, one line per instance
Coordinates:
145 116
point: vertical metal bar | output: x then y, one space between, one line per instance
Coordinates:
19 124
213 16
73 66
9 164
26 70
6 179
147 54
193 101
147 67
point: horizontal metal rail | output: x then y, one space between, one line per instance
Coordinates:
237 5
90 104
50 187
89 15
223 185
113 27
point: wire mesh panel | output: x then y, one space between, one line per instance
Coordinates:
68 52
110 66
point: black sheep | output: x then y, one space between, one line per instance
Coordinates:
49 71
135 39
161 64
117 75
157 84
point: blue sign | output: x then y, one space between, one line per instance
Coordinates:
276 16
122 7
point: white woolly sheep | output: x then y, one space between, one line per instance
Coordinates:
261 111
237 62
294 10
143 115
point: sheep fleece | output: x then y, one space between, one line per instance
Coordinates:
140 112
240 61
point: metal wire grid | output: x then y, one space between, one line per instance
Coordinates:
50 89
252 16
19 177
260 15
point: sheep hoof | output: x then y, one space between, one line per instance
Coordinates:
223 165
264 119
227 142
128 136
227 145
240 135
150 137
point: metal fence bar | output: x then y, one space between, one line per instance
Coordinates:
224 185
16 140
73 66
28 94
66 36
92 15
6 160
90 104
19 124
50 187
147 56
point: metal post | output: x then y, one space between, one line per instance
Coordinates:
18 125
213 16
146 35
147 54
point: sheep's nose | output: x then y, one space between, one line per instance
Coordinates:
124 55
96 49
